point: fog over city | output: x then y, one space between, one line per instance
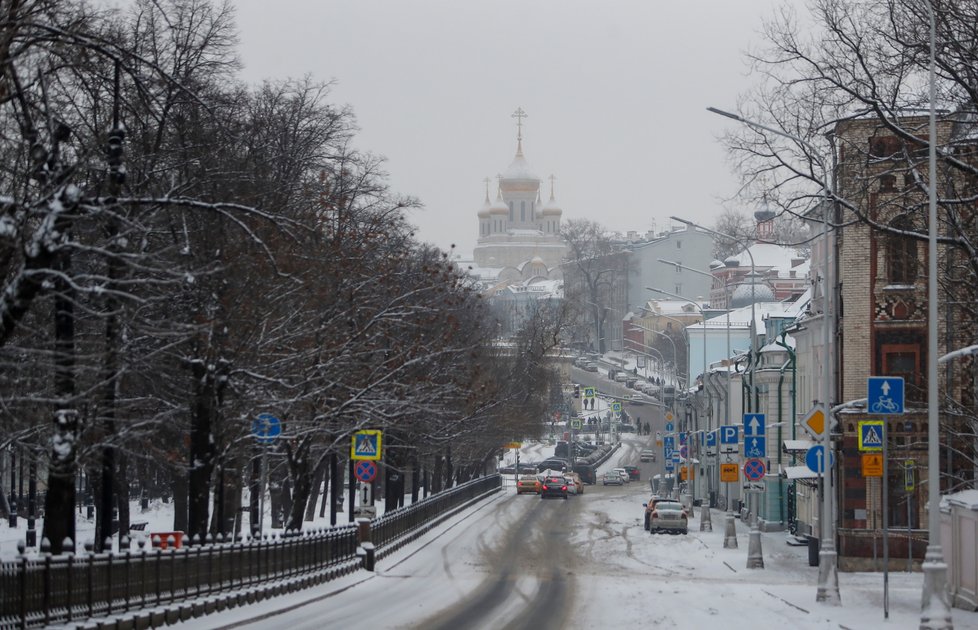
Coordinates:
615 95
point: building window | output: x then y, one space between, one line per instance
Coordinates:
679 289
884 146
512 215
904 360
523 212
901 253
679 244
888 183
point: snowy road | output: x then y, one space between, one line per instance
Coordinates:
521 562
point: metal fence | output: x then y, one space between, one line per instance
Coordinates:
42 589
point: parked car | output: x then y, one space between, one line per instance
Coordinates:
669 516
650 507
528 484
553 487
591 366
625 477
634 473
612 478
647 455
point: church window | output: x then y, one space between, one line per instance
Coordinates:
511 211
679 244
522 211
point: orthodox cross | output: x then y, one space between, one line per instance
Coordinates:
519 115
552 179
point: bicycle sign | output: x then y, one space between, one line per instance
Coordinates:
885 394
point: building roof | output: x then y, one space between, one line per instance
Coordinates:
768 256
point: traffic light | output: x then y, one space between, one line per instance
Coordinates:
577 391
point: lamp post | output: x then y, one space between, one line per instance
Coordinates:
726 398
828 570
935 609
689 377
753 296
726 395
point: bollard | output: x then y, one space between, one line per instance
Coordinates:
368 555
363 529
366 549
730 532
706 520
755 558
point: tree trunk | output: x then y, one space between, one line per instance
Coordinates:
415 478
328 472
316 489
181 499
59 502
436 475
202 447
301 473
336 492
121 492
449 469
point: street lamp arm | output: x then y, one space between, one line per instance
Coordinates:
676 296
679 265
815 154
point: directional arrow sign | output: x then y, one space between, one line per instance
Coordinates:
885 394
755 446
815 457
753 424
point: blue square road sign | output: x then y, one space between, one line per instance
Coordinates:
885 394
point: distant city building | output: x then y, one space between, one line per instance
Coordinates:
688 246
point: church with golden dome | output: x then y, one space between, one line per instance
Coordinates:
519 236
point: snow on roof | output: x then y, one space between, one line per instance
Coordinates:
767 256
740 317
966 498
519 169
673 307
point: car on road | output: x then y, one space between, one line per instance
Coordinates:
625 477
669 516
647 455
553 487
528 484
612 478
574 483
591 366
634 473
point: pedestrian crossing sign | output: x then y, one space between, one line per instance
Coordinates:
871 435
590 392
366 445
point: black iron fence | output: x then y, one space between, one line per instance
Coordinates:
42 589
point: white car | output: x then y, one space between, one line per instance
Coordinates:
622 473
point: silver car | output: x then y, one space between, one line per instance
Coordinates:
669 516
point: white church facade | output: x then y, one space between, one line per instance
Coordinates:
519 236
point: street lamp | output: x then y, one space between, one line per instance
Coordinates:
935 609
753 298
828 570
727 393
689 377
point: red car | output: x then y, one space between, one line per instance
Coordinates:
634 473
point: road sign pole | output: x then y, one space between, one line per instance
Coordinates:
886 525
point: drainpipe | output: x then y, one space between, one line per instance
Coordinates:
791 362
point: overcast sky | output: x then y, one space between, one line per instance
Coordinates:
615 92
